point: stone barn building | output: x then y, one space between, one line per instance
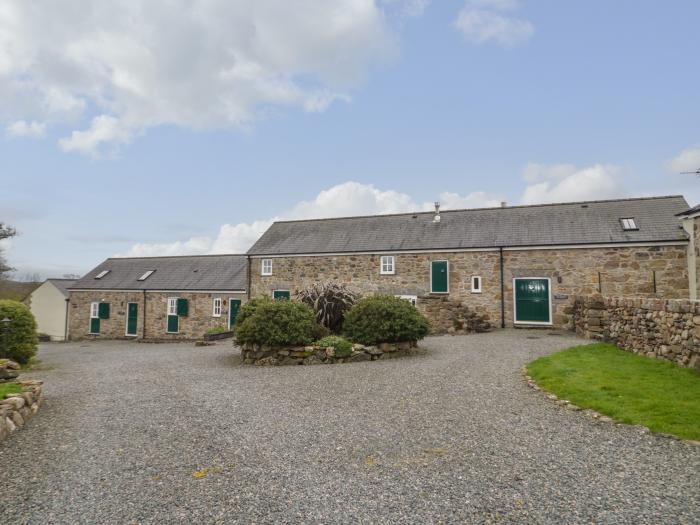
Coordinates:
158 298
516 265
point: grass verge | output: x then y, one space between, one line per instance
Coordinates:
9 388
627 387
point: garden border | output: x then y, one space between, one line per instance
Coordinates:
17 409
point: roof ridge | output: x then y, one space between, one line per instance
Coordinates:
179 256
517 206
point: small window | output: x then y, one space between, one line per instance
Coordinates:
172 306
387 265
94 310
101 274
146 275
217 307
267 266
410 298
629 224
476 284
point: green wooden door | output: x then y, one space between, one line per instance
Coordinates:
439 277
132 315
281 294
95 325
532 301
173 324
233 307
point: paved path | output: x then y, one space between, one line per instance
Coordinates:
453 436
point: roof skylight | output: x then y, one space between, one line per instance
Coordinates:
101 274
629 223
146 275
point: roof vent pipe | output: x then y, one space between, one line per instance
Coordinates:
437 212
504 204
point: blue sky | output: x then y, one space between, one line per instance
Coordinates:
149 129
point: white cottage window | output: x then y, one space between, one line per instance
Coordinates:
476 284
266 267
217 307
386 265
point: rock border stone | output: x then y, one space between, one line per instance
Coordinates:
317 355
597 416
17 409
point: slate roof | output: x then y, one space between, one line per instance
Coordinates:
571 223
691 211
62 284
190 272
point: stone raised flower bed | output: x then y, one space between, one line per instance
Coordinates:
316 355
17 408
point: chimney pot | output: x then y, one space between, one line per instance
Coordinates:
437 212
504 204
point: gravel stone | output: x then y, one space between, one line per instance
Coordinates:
170 433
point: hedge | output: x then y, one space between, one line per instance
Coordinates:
18 338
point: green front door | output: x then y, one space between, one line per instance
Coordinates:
95 325
532 301
280 294
173 324
132 315
439 277
233 306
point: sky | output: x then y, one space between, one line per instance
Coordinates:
166 127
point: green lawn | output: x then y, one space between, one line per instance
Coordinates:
627 387
9 388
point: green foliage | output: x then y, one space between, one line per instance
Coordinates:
217 330
9 388
343 347
18 340
627 387
249 309
330 302
384 319
277 323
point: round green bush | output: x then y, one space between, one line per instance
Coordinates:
277 323
343 347
384 319
18 338
249 309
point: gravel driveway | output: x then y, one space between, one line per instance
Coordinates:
450 436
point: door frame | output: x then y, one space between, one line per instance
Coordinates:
126 329
167 315
240 303
549 299
447 267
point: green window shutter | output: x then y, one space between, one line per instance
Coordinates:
95 325
103 311
439 277
182 307
173 324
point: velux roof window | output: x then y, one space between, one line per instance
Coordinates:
101 274
146 275
629 223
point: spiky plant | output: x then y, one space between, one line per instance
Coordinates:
329 301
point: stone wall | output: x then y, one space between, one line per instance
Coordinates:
629 271
17 409
663 328
199 319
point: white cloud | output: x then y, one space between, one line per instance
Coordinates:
410 8
198 64
346 199
22 128
482 21
686 160
565 182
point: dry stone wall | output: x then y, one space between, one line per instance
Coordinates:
17 409
662 328
193 326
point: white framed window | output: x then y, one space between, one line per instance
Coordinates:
476 284
101 274
628 223
410 298
266 267
217 307
172 305
386 265
94 310
146 275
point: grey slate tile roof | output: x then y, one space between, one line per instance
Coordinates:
190 272
691 211
590 222
62 284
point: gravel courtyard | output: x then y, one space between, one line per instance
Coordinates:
453 436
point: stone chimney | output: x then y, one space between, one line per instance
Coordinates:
437 212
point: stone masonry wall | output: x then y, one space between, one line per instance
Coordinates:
663 328
626 271
193 326
17 409
696 238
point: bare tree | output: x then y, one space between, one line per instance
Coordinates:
5 233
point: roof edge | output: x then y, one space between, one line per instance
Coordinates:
177 256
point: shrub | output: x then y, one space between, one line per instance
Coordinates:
330 302
384 319
249 309
217 330
18 340
277 323
343 347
